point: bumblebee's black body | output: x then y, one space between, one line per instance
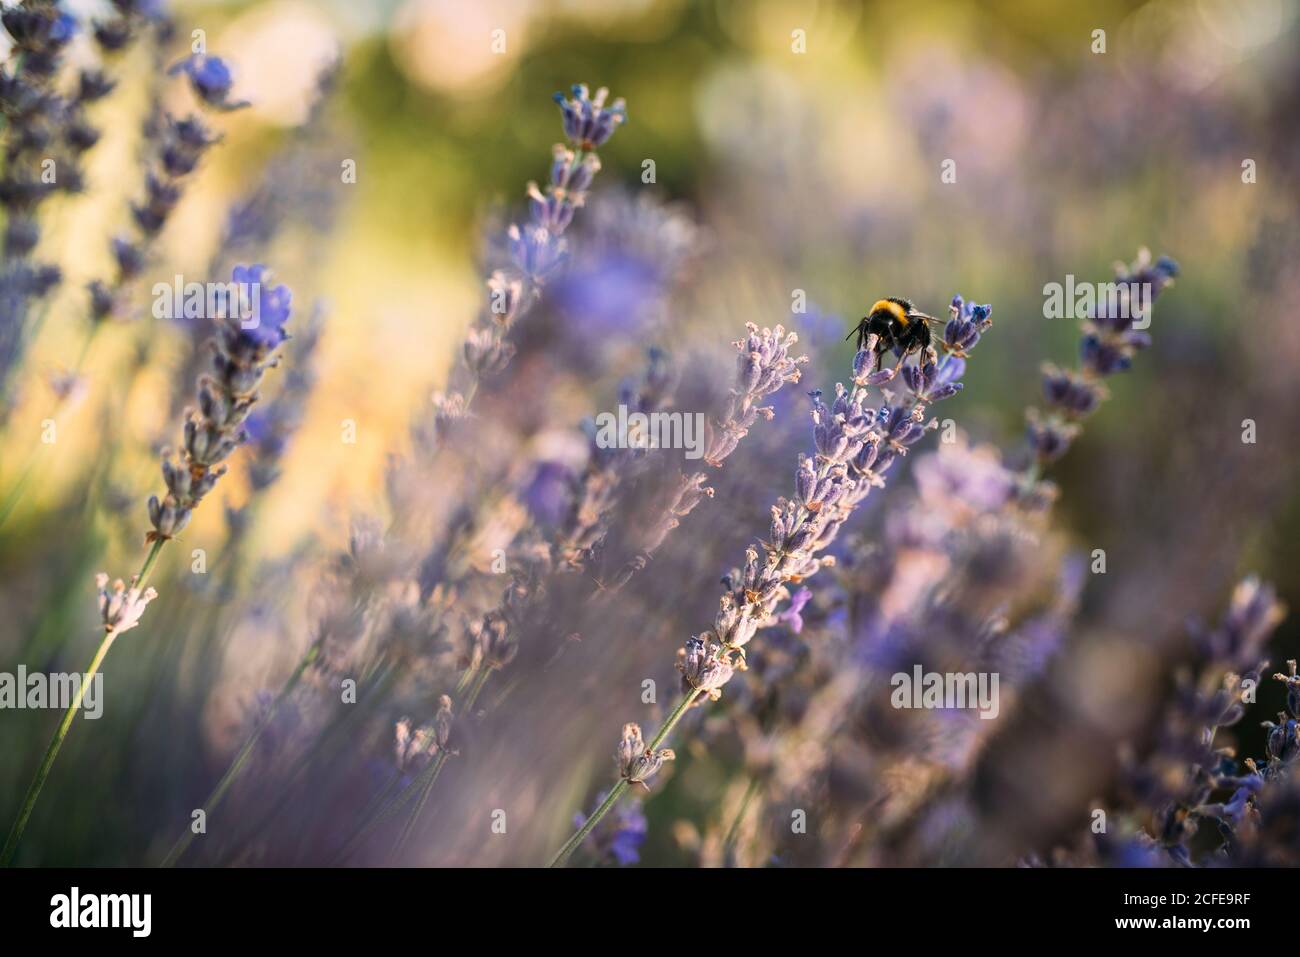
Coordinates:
897 326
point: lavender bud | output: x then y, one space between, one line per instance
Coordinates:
210 79
1049 438
587 123
636 762
121 608
704 666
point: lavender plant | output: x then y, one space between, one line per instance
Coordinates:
953 586
52 131
536 250
176 149
242 352
855 446
764 366
1190 778
1108 346
369 704
30 104
181 146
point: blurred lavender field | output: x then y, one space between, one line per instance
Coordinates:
315 316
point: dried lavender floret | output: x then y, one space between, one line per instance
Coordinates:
636 762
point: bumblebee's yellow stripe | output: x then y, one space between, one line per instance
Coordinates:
897 311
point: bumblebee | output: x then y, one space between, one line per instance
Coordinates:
897 325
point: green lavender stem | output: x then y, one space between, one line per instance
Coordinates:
734 831
617 790
241 759
589 825
56 742
52 752
16 493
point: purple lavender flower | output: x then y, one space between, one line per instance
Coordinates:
854 445
184 143
38 30
211 80
621 837
129 257
625 846
1292 682
1109 340
161 197
94 85
932 381
587 122
764 364
969 480
1184 770
262 309
546 493
261 433
1074 394
633 249
1238 641
1108 345
967 323
604 296
273 425
63 29
1049 436
535 250
225 399
792 617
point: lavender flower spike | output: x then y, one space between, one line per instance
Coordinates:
537 248
587 122
764 365
1108 345
242 352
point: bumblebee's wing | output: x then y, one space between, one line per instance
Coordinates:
920 315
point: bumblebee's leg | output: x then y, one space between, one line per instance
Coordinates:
901 359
